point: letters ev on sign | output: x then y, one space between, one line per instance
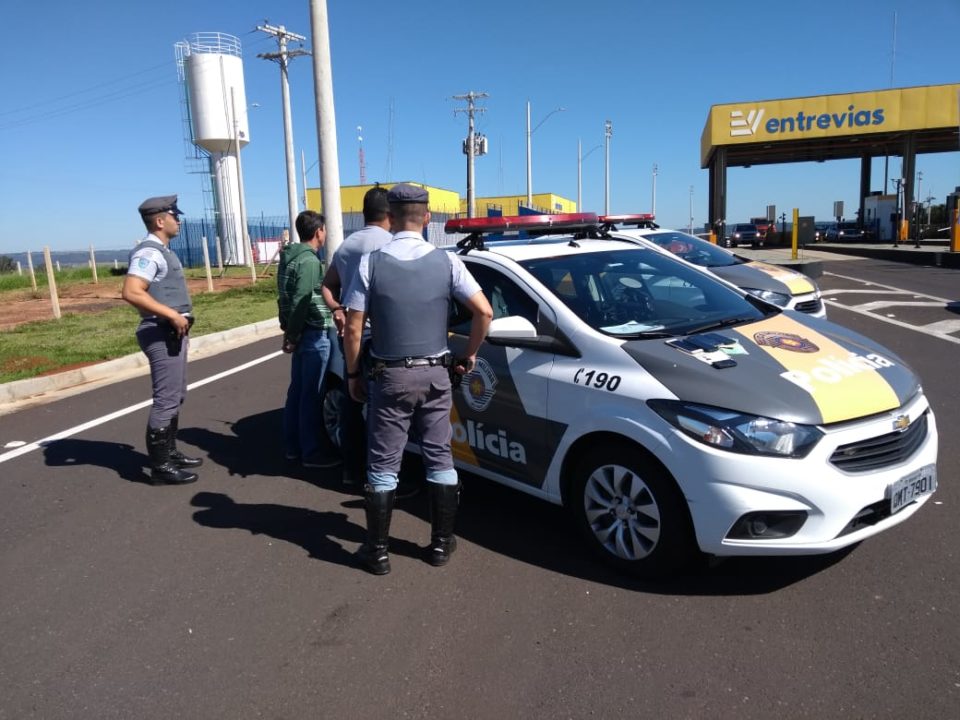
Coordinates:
741 124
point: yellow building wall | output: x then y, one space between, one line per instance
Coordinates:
351 198
883 111
549 203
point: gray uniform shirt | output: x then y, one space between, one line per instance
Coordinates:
409 246
347 258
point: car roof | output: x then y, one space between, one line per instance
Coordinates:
548 247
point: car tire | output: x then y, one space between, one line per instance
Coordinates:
631 512
333 399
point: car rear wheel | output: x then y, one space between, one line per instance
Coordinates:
631 511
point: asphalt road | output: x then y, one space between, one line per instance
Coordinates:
236 598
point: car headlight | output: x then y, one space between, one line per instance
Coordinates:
780 299
738 432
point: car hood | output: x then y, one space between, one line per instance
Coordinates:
789 367
763 276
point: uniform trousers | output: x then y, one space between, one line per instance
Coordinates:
401 400
168 373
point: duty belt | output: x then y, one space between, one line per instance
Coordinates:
445 360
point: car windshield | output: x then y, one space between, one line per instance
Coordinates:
639 292
693 249
745 228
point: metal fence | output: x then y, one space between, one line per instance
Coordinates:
188 245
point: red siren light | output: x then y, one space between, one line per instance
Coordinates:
562 221
634 219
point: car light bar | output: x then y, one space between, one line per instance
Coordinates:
530 223
635 219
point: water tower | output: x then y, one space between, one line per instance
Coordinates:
211 69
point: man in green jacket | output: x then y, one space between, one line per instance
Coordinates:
304 319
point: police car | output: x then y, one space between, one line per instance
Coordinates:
781 286
673 414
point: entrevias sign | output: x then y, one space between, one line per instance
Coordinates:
742 124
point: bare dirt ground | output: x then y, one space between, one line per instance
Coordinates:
19 307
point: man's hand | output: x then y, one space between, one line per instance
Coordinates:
288 347
340 320
358 389
463 365
180 323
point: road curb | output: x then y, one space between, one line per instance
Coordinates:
90 376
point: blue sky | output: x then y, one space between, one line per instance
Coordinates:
90 122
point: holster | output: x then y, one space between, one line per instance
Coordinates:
172 338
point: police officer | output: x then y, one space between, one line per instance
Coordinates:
405 288
156 287
341 274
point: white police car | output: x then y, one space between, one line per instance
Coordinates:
674 414
781 286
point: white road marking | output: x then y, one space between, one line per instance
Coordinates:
30 447
944 326
939 329
877 304
887 287
908 326
854 291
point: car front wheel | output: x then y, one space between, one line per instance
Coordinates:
631 512
333 400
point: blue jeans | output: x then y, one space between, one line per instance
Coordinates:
303 434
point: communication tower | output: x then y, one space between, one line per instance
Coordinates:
363 162
211 69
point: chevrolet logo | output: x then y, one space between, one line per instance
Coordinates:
901 422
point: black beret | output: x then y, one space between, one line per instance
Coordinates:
407 193
154 205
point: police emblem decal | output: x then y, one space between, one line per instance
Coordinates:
784 341
479 386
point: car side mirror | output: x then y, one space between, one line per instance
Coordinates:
513 327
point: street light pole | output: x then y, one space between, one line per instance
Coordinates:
690 230
653 201
607 134
529 161
580 158
530 151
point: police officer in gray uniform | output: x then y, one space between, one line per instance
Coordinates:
406 288
156 287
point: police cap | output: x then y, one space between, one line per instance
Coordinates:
407 193
155 205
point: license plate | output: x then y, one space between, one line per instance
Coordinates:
913 487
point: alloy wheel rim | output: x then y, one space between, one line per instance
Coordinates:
622 512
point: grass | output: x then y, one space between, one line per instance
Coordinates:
49 345
83 274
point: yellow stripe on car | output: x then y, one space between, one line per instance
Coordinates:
798 284
843 384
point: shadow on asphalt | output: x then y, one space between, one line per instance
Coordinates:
249 446
529 530
119 457
319 533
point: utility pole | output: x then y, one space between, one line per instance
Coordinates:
283 59
607 134
326 126
470 145
690 229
